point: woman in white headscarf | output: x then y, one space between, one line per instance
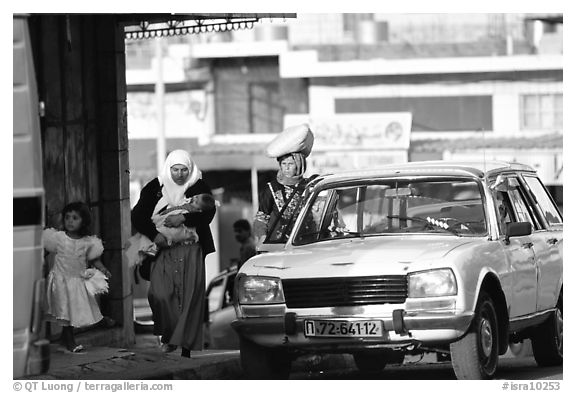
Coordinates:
177 276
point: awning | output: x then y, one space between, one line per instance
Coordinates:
142 26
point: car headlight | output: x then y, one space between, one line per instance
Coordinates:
440 282
260 290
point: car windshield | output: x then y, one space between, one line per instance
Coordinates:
451 207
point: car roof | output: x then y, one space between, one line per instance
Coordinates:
477 169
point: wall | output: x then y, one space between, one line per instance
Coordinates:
250 97
504 91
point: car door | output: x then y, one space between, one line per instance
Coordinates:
221 312
548 243
520 253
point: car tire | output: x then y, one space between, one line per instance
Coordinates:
376 361
548 339
259 362
475 356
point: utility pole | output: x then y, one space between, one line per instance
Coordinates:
159 90
254 183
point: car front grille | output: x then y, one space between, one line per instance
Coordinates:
344 291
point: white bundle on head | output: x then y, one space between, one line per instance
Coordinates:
296 139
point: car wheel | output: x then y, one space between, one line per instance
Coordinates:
548 339
475 356
375 361
259 362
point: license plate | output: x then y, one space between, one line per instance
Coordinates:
335 328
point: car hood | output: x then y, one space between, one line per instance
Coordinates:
357 257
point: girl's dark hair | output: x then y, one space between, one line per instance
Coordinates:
84 211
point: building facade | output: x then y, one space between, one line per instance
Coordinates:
376 89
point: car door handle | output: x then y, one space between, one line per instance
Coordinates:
552 241
527 245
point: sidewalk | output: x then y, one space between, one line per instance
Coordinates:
144 361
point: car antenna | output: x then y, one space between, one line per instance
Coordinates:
483 148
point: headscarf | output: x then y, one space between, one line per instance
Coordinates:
300 161
172 192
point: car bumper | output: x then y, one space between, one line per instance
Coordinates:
401 329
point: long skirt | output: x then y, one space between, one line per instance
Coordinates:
176 295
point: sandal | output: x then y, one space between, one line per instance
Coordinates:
77 349
166 348
108 322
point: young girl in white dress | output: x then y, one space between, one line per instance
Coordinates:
77 275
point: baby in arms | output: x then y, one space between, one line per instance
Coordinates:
140 245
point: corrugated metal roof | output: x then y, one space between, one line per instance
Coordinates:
384 50
549 141
236 148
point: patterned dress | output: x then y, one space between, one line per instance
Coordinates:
68 300
272 200
178 274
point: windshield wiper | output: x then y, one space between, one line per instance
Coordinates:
347 232
332 234
430 223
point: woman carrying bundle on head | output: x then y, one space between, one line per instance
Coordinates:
280 199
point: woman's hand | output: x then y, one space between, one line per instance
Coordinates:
106 272
100 266
161 241
174 221
260 240
87 274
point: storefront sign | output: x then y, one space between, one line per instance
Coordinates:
337 161
185 115
357 131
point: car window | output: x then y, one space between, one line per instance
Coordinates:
504 211
520 207
549 210
284 223
448 206
313 216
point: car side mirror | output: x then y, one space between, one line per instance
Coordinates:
514 229
501 184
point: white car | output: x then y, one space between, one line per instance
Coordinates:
460 259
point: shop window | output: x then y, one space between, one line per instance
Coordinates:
266 111
541 111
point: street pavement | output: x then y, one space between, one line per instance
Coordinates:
145 361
